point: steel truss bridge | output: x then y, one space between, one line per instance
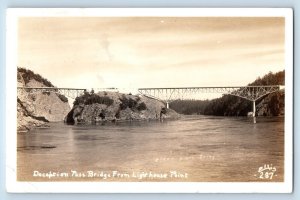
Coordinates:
69 92
251 93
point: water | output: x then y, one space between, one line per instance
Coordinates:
195 148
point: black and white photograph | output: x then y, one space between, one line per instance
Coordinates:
151 97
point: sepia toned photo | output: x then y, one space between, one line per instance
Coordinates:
184 96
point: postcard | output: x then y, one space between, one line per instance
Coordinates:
149 100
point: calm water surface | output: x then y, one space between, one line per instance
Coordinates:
195 148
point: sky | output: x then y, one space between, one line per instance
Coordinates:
136 52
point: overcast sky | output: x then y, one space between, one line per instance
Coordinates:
137 52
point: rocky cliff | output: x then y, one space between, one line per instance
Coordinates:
113 106
38 108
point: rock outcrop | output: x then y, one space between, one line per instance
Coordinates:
37 108
113 106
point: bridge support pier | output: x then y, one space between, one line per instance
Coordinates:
254 112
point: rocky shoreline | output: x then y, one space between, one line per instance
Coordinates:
104 106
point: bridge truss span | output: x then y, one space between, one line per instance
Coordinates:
251 93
